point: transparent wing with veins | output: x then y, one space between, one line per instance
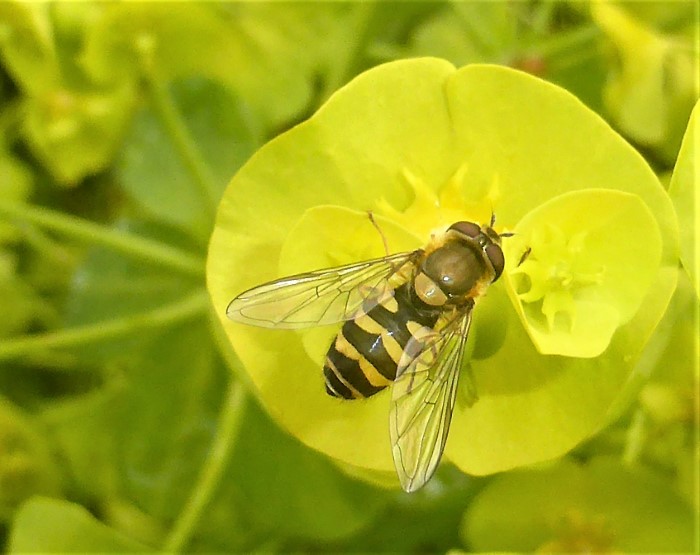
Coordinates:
320 297
423 398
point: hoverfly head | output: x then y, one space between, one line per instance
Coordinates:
487 239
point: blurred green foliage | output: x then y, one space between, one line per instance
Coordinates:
125 423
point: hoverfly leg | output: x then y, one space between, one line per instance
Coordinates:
379 230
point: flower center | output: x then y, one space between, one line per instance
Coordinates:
554 273
560 276
432 209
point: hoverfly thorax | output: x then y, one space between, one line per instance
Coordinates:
470 258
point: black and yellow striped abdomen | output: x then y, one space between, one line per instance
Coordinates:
363 358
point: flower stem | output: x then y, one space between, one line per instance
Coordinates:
92 233
560 47
172 121
230 421
45 246
193 305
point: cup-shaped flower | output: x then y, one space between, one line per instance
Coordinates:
423 145
591 258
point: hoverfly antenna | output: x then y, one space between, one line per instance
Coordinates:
524 256
493 218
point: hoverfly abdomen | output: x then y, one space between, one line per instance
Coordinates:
364 357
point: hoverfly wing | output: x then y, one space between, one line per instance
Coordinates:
423 398
317 298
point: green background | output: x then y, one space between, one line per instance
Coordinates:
128 421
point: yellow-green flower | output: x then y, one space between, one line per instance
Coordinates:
422 144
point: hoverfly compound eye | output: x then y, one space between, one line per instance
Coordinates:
470 229
498 261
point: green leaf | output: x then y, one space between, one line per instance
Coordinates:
109 285
473 140
167 417
685 194
650 91
27 44
27 466
20 302
669 400
465 32
51 525
268 54
152 171
16 183
543 39
638 86
140 440
127 39
284 498
600 506
82 431
75 131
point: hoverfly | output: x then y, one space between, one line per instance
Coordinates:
406 321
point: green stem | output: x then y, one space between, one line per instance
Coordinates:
543 16
563 44
230 421
44 245
93 233
477 33
193 305
635 439
10 118
185 146
573 59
